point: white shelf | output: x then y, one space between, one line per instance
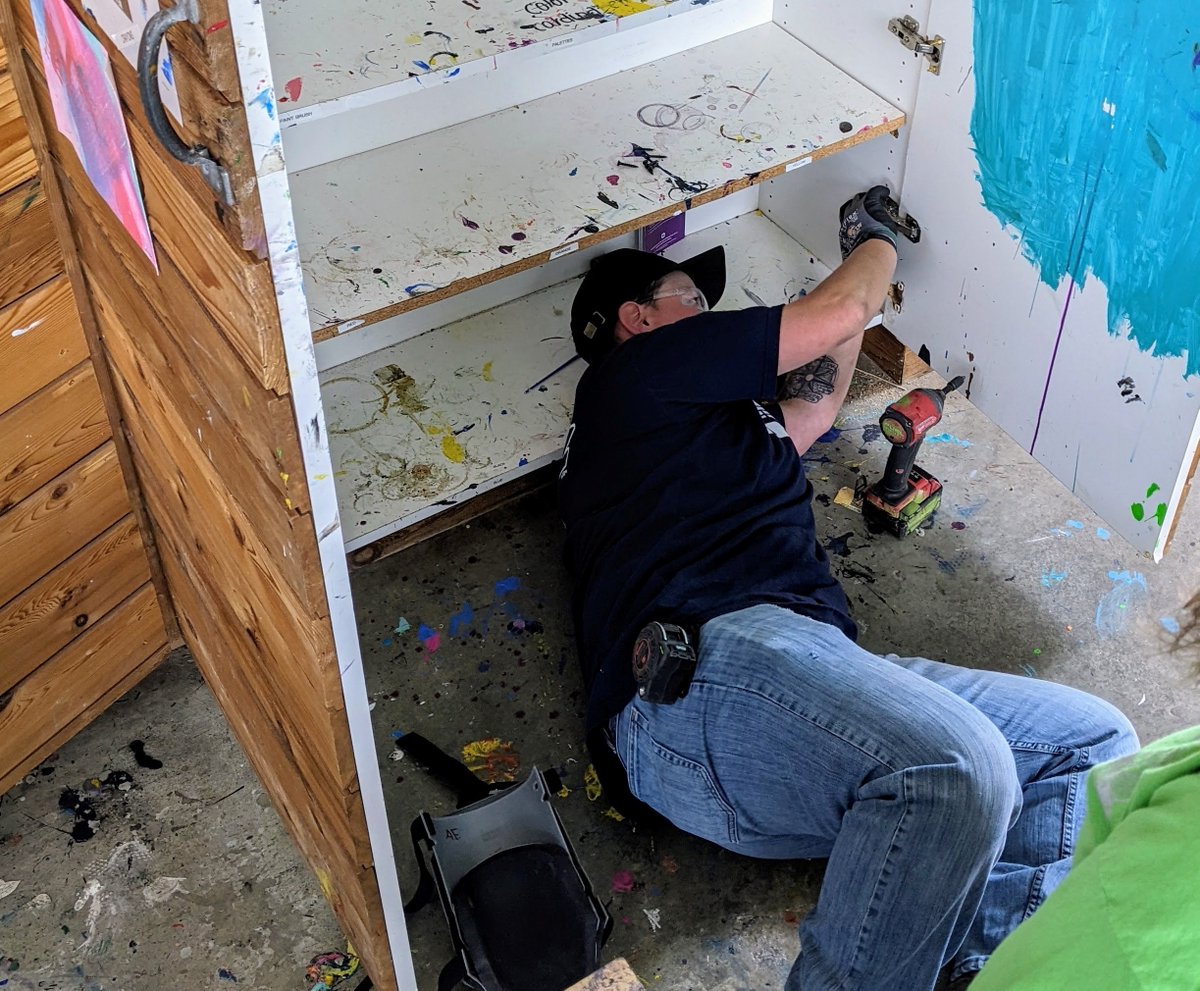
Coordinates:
318 56
422 219
461 422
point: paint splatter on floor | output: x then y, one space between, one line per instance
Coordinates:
492 760
1118 606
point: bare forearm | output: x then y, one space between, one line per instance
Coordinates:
835 312
810 396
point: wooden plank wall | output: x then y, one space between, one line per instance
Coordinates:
80 619
195 355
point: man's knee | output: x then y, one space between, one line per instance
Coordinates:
1105 732
971 772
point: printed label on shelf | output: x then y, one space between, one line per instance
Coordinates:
566 249
799 163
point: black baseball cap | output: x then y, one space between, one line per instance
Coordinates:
622 276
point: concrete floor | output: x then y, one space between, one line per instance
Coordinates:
1014 574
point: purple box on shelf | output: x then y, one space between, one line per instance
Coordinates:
658 237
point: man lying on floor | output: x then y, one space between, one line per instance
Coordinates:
946 799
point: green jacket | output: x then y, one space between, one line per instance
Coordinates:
1127 917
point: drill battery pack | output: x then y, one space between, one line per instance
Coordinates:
664 661
922 500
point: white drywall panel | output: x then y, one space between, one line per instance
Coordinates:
1042 362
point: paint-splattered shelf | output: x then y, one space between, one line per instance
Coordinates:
438 419
422 219
321 57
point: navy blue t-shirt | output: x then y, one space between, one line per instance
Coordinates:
683 496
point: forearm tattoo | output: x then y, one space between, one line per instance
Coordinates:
811 382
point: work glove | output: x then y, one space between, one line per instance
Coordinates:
865 217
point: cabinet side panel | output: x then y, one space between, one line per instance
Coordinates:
196 364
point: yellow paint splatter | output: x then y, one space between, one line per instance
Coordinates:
487 372
288 503
326 884
413 39
493 760
284 476
591 782
614 814
452 449
246 396
320 478
622 8
564 792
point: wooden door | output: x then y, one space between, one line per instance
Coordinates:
81 621
1051 168
197 361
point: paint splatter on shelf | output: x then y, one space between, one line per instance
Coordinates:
1052 578
292 88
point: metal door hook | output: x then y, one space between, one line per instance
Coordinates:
156 28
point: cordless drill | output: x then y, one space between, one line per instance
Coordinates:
907 495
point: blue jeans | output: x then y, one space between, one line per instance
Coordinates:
946 800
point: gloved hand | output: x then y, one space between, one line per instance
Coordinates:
864 217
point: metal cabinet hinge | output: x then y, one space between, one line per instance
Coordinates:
909 32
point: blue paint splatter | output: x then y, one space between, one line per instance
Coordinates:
421 65
1053 578
871 432
387 641
418 288
1029 670
1075 524
266 100
522 463
1102 533
402 625
1113 612
1170 624
970 510
829 436
425 633
462 619
485 666
947 439
506 585
1084 130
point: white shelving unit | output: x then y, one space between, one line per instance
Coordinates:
321 56
435 420
415 221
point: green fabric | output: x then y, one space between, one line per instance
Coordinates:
1127 917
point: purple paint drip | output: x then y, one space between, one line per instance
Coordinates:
1053 358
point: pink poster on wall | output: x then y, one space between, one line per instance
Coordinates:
88 112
